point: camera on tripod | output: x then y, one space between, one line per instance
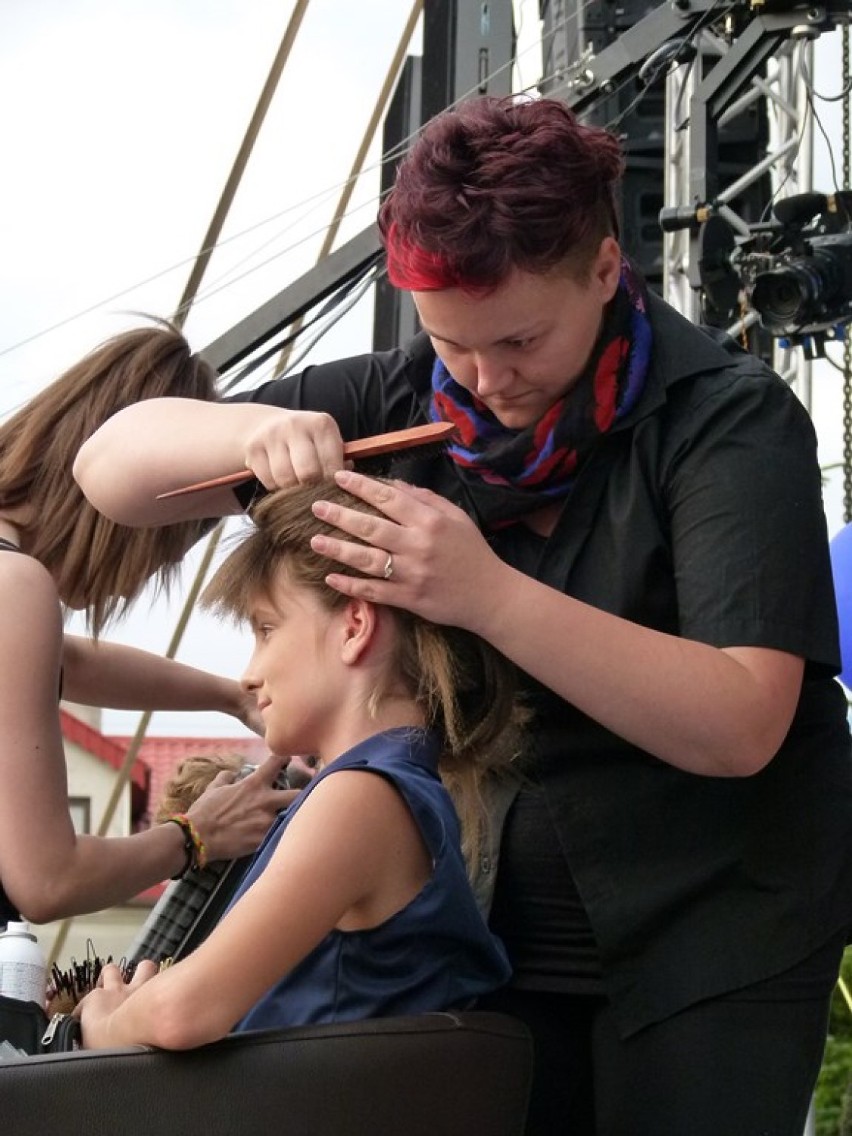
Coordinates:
795 271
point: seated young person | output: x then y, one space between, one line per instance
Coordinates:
358 903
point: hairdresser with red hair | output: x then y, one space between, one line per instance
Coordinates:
632 513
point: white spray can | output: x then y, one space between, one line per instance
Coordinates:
23 967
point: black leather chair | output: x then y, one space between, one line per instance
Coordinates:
442 1074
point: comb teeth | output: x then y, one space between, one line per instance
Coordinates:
380 446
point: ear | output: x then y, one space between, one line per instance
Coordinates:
359 626
606 271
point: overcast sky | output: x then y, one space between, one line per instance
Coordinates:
120 124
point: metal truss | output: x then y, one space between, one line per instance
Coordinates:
336 271
721 57
788 163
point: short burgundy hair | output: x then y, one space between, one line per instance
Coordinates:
496 184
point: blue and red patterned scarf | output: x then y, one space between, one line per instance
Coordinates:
514 472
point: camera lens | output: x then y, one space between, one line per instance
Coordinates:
784 297
805 294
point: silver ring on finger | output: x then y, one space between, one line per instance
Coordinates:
388 569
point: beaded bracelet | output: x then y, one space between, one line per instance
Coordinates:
188 848
193 845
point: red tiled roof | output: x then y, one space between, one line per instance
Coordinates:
94 742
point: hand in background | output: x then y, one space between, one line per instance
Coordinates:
246 712
301 770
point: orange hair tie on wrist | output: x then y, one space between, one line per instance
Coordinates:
193 845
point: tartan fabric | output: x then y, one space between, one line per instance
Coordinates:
188 908
180 908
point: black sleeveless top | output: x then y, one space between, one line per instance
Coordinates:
7 909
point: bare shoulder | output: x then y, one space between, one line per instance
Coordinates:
29 603
356 829
358 810
351 790
18 566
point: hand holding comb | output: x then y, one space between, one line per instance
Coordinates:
358 450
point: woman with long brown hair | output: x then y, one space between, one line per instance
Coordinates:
58 553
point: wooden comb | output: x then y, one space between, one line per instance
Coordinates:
358 450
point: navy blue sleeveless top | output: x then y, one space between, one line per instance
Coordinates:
435 954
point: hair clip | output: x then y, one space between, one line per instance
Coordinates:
357 450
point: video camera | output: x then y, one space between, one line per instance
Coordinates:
795 271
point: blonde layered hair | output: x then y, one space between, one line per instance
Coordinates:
466 690
101 565
192 776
